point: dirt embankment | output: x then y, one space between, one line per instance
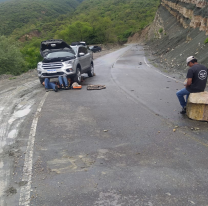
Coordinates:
179 30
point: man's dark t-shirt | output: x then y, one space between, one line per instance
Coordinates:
198 73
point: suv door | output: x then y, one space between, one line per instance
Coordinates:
82 59
86 59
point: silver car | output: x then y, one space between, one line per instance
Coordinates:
60 59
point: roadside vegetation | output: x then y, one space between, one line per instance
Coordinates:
206 41
93 21
11 59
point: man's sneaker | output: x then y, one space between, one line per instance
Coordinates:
183 111
46 90
56 88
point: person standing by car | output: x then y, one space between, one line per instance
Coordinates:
196 81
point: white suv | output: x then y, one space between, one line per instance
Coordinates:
60 59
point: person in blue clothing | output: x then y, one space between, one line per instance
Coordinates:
50 85
63 82
196 81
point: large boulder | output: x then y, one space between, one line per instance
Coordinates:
197 106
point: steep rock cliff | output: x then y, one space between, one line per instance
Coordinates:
179 30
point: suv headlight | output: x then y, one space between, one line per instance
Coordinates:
70 62
69 65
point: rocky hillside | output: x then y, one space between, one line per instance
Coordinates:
180 29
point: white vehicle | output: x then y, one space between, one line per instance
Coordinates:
60 59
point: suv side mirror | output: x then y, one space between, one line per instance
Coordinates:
81 54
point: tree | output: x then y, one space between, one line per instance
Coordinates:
31 53
78 31
11 59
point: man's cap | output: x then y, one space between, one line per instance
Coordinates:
189 59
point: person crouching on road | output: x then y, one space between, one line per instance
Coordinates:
50 85
196 81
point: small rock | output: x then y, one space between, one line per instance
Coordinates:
174 130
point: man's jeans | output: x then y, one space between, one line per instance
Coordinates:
49 85
180 94
63 81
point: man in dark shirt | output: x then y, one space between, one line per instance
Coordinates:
196 81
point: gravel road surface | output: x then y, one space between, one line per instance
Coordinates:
126 145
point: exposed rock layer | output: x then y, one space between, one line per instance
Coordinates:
179 30
182 12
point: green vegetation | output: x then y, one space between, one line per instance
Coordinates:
31 53
206 41
11 59
11 78
112 20
17 14
161 30
93 21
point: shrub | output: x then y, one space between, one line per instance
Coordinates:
161 30
11 59
31 53
206 41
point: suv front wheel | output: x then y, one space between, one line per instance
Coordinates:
78 76
91 71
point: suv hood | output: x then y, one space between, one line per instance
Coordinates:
53 45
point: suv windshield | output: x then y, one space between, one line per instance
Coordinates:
60 54
75 48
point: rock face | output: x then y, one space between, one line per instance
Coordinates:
194 11
179 30
197 106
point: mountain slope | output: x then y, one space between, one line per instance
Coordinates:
112 20
18 13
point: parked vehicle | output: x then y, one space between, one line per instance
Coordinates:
60 59
95 48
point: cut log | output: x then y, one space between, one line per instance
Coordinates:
197 106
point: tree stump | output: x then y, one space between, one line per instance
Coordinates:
197 106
